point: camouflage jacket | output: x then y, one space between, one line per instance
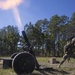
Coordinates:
69 48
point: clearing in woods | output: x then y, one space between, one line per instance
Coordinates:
66 68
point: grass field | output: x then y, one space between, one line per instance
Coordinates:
66 68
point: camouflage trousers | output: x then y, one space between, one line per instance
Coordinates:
66 56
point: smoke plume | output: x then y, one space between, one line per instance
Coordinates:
12 4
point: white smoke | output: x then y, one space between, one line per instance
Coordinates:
17 17
12 4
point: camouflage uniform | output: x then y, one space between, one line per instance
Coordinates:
69 51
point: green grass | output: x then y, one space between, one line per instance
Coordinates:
43 59
66 68
7 72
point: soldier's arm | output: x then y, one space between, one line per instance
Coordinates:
66 47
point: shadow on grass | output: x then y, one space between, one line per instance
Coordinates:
50 71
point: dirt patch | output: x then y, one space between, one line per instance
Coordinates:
51 69
65 69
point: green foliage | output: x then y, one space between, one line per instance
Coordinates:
47 37
9 37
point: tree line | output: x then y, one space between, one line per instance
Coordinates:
47 36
